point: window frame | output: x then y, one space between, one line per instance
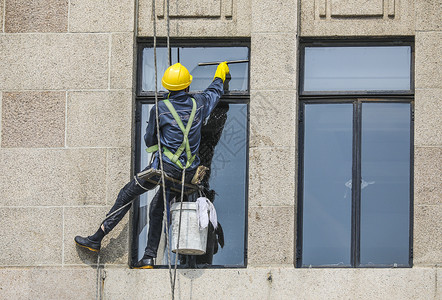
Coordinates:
142 97
374 42
356 99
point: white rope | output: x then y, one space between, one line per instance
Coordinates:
172 286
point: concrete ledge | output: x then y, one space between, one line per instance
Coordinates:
273 283
48 283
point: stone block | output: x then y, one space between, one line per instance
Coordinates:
36 16
101 16
271 235
356 18
428 121
2 3
31 236
427 235
42 177
235 20
356 8
48 283
118 169
85 221
122 61
273 65
272 175
428 62
192 9
99 119
272 118
427 175
33 119
274 16
54 61
428 15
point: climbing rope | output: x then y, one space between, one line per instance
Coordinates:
158 134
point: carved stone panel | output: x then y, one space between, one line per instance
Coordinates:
195 8
355 8
350 8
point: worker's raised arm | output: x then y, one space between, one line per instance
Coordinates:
215 90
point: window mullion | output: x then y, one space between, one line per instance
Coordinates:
356 184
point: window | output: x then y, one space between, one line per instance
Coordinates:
224 144
355 127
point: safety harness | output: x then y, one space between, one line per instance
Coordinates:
174 158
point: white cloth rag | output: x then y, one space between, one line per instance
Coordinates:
206 212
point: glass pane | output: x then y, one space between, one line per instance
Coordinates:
357 68
385 193
203 75
224 150
327 193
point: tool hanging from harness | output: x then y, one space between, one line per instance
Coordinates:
174 158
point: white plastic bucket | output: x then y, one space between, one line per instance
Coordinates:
193 241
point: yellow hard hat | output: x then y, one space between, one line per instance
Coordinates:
176 78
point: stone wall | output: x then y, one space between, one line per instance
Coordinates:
66 121
66 90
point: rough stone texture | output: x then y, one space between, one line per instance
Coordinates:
284 283
272 118
427 175
85 221
1 14
321 22
272 177
273 63
274 16
31 236
428 63
122 64
33 119
99 119
52 177
427 235
48 283
101 16
428 14
118 171
438 284
36 16
271 228
428 121
357 8
54 61
199 26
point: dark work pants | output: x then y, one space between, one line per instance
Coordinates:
132 190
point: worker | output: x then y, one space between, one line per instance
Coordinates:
177 109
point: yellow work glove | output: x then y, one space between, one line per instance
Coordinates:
221 71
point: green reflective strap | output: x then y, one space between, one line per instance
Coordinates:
152 149
185 144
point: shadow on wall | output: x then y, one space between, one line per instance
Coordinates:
112 252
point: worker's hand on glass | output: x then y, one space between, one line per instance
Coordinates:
221 71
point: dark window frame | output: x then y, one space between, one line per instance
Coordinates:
141 97
356 99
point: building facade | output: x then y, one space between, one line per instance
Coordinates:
70 93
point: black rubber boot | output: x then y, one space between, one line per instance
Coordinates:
87 243
145 263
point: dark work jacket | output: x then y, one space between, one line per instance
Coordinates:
170 133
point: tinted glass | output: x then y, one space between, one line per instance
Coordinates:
202 75
385 189
357 68
327 197
224 150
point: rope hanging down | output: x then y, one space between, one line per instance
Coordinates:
172 281
172 286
